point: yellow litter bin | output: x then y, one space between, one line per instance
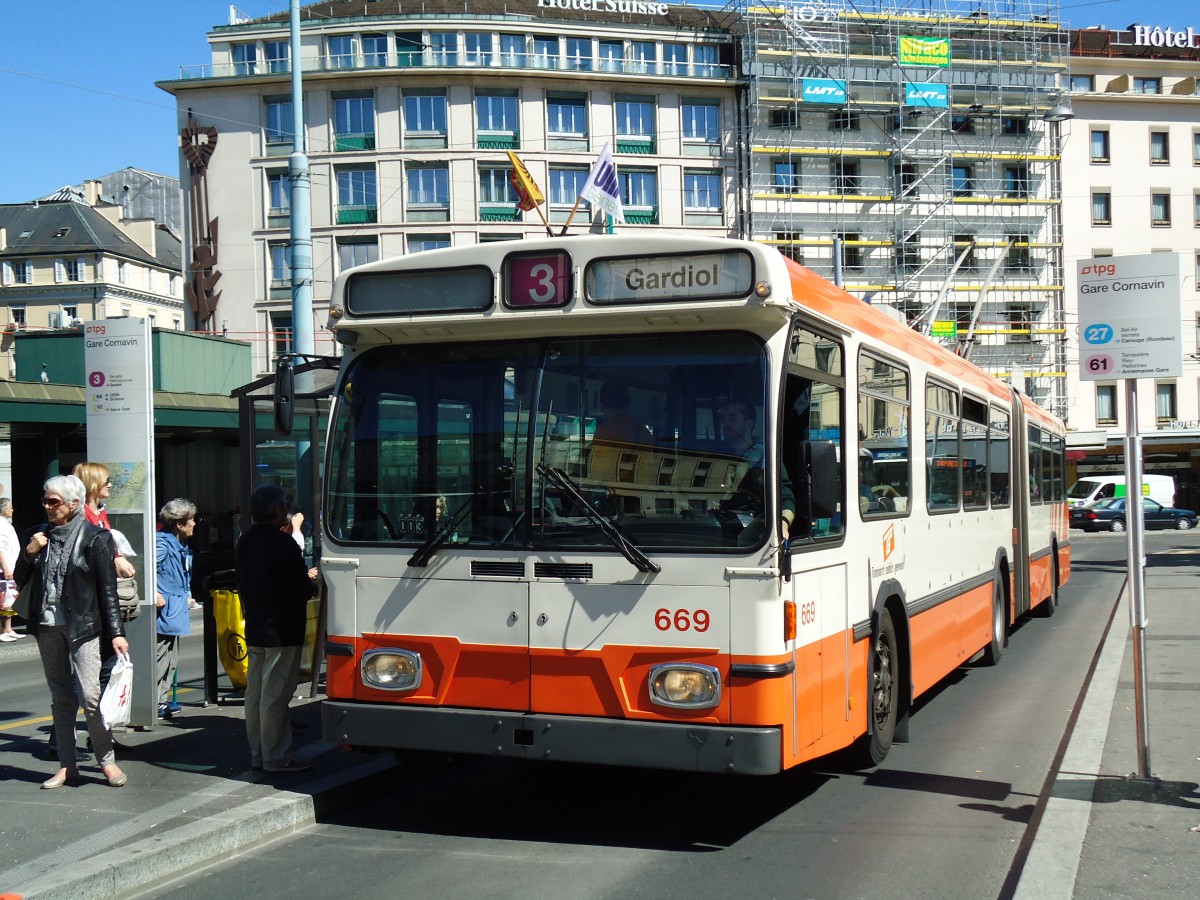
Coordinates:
231 634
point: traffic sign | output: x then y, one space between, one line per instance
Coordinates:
1129 317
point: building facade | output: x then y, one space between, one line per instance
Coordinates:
1132 158
73 258
409 116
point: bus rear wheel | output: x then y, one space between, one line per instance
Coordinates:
885 695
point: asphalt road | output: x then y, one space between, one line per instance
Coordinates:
947 815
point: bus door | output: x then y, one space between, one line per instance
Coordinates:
1019 490
822 651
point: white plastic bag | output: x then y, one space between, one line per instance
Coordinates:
8 594
118 696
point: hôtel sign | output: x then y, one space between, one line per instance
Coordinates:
1145 36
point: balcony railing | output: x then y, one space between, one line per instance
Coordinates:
431 59
357 215
361 141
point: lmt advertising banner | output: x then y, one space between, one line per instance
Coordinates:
823 90
120 434
936 96
924 51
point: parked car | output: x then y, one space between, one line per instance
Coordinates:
1110 515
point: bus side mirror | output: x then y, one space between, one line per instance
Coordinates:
819 482
285 390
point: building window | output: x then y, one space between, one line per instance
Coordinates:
907 179
545 53
788 117
358 202
789 243
852 252
1165 410
354 121
75 269
443 48
279 191
1099 145
612 56
701 192
1160 209
512 50
429 186
1014 125
60 271
1019 259
244 58
674 59
644 56
702 121
964 246
122 272
281 265
1106 404
639 190
962 181
961 124
565 185
908 255
342 51
635 125
1016 181
705 58
1196 148
787 174
1160 149
1147 85
579 54
279 120
1083 82
278 56
16 315
374 50
844 120
1196 208
357 252
496 120
281 333
566 115
1101 208
478 50
497 197
425 112
844 176
421 242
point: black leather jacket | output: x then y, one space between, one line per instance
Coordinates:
89 602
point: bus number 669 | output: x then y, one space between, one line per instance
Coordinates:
681 620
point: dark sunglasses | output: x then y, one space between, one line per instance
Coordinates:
51 502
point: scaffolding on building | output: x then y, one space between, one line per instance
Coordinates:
914 138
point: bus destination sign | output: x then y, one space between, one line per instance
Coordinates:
653 279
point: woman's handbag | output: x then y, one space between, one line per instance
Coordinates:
118 695
127 594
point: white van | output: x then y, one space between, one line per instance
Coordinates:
1100 487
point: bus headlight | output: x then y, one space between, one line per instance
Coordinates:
392 670
685 685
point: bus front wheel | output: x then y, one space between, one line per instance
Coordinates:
885 694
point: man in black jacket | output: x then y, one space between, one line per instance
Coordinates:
275 588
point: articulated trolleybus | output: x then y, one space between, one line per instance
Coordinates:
671 502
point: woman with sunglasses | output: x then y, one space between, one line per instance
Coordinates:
69 598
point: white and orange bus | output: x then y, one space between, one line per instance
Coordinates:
662 501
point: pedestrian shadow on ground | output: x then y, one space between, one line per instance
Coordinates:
1116 789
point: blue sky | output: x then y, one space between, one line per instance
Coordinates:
77 78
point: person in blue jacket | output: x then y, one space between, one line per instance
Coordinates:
174 567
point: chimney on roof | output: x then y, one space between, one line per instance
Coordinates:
3 238
91 193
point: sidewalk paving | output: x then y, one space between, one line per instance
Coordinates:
191 798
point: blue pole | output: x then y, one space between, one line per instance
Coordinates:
301 261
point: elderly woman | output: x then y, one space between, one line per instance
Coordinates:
174 567
69 598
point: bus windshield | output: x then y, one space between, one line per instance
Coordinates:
661 434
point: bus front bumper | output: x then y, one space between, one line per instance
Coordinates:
580 739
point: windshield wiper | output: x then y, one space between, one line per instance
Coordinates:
615 535
441 534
